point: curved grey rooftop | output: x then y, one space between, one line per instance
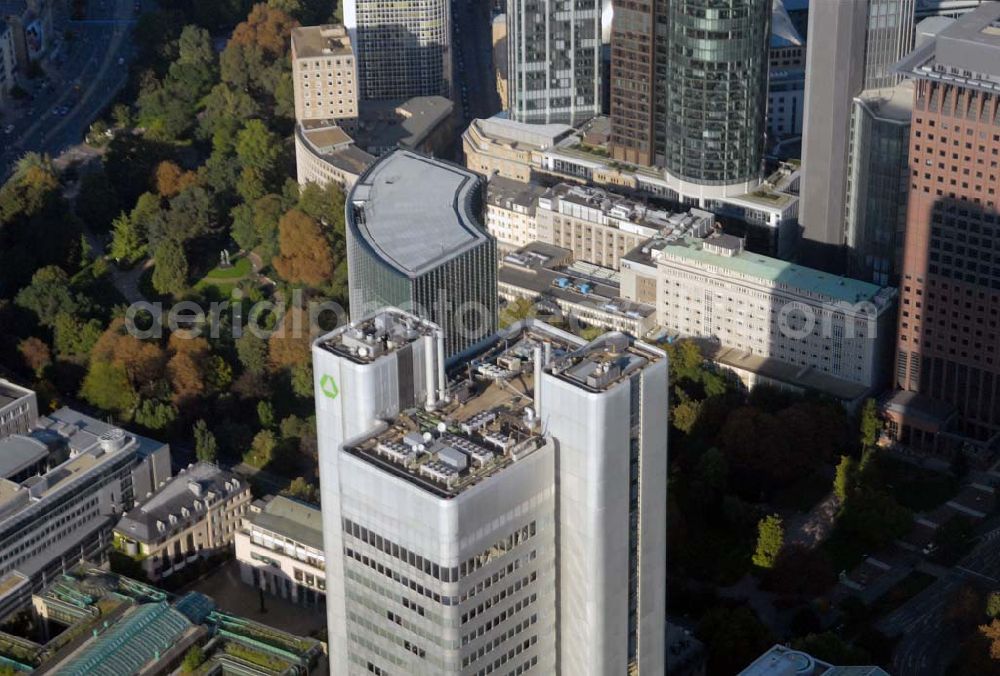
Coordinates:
416 212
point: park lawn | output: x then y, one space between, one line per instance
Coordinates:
239 269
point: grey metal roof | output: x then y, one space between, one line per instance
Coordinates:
181 492
19 452
965 52
293 519
417 212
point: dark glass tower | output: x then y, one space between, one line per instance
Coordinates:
715 96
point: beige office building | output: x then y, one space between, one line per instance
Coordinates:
510 212
324 74
600 227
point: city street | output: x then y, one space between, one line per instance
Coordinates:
927 641
82 76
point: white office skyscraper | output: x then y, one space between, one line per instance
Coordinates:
444 498
554 60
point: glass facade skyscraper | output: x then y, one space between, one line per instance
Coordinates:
416 240
716 92
554 60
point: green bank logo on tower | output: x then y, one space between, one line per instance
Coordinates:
328 386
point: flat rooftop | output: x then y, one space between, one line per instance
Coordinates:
629 214
778 272
782 661
331 144
546 270
806 378
502 128
292 519
9 392
508 193
416 212
485 426
382 333
316 41
894 103
387 124
603 363
966 52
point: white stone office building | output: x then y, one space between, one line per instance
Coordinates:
769 309
62 487
18 409
279 546
403 49
444 495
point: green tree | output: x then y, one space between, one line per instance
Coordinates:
262 449
993 605
844 480
871 426
73 337
302 380
155 414
107 386
712 473
265 414
770 539
48 295
127 243
206 448
517 310
734 638
301 489
251 350
171 270
193 659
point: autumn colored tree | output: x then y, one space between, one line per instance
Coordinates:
171 180
36 353
266 27
306 256
289 345
992 632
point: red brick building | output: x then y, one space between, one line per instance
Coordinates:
948 351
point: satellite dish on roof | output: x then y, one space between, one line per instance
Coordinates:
442 427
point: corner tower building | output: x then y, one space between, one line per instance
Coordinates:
416 240
508 517
948 354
